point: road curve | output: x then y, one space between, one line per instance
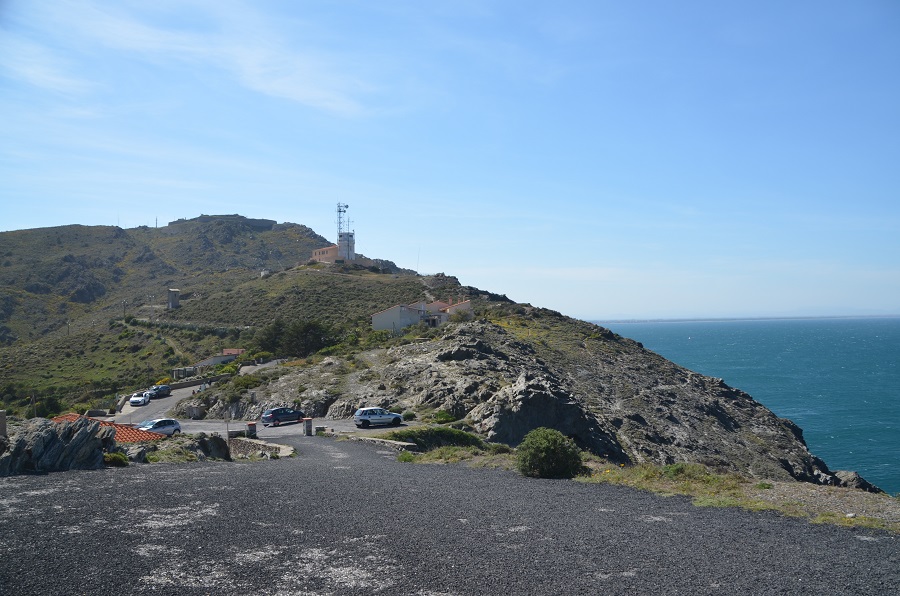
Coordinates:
347 518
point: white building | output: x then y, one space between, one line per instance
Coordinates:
397 317
405 315
346 246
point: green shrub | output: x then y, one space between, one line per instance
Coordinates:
115 459
395 409
409 415
498 448
547 453
246 381
226 369
431 437
443 417
406 457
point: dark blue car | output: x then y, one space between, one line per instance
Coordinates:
276 416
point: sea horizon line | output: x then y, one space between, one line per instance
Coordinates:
747 318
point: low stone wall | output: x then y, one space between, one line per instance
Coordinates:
243 448
195 382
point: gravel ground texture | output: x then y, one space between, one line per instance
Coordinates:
346 518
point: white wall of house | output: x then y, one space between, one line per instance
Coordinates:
459 307
396 318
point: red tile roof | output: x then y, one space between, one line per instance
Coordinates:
124 432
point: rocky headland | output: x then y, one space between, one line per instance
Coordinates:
612 396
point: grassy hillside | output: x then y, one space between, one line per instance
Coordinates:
83 308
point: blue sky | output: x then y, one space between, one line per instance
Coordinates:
605 159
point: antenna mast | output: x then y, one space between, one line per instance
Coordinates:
346 244
343 225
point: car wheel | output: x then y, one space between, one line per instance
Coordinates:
276 422
395 422
364 424
175 432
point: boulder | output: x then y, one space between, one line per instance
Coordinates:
41 445
213 446
854 480
136 452
535 401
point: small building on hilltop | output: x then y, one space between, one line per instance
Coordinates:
345 249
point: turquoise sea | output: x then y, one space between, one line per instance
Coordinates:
837 378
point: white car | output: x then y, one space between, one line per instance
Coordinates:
165 426
365 417
141 398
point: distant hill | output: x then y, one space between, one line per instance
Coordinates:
74 274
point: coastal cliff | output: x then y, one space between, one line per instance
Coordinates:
612 396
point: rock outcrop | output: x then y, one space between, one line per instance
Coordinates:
201 447
607 392
40 445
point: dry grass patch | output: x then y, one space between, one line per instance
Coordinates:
819 504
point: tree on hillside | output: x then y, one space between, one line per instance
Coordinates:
302 338
268 338
298 338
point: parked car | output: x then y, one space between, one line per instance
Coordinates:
365 417
165 426
139 398
161 390
276 416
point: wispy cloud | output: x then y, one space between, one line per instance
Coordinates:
240 42
39 66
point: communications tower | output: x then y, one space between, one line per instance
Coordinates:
346 242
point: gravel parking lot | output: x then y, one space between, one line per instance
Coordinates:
347 518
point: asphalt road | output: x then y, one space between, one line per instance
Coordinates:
157 408
346 518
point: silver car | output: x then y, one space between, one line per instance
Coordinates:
365 417
165 426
